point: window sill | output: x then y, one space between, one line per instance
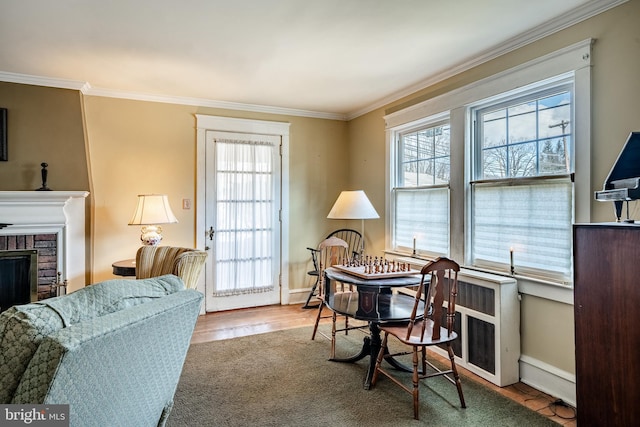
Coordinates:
544 289
526 285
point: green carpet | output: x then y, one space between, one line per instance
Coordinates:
284 379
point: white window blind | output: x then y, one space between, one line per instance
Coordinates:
424 215
532 219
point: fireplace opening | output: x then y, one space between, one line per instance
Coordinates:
18 277
47 247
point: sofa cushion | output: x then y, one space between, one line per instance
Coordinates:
110 296
22 328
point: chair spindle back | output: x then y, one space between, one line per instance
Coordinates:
443 273
332 251
354 241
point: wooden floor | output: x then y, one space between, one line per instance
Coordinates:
237 323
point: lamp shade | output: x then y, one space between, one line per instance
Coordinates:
353 205
153 209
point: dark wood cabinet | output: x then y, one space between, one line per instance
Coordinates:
607 323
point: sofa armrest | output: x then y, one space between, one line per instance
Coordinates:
118 369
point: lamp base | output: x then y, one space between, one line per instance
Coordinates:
151 235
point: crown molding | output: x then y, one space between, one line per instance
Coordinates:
87 89
201 102
555 25
43 81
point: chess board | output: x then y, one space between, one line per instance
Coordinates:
359 272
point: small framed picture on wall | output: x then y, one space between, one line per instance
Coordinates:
3 134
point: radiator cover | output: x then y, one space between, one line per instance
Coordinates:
488 324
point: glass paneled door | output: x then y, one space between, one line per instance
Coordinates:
243 184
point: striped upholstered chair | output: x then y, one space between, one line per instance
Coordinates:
153 261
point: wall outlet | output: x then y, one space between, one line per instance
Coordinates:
186 203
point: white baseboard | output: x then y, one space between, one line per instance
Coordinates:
548 379
299 296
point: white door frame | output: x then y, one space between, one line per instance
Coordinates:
205 123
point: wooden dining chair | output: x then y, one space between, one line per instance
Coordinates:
332 251
355 248
425 329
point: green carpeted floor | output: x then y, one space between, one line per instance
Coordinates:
284 379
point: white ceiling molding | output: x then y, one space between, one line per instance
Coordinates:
200 102
86 89
43 81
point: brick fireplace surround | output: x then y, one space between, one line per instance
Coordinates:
52 222
46 245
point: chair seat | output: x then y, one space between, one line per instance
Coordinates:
400 331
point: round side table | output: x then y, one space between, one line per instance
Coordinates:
124 268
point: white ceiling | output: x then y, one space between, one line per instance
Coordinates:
335 57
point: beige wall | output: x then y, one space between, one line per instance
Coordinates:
142 147
616 112
44 125
547 332
367 172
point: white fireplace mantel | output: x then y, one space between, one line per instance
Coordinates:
55 212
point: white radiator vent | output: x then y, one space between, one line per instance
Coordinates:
488 323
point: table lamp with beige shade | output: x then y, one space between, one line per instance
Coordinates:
152 210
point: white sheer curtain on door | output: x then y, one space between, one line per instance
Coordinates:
245 209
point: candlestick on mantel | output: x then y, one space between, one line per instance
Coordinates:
44 172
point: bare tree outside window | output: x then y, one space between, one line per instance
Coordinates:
528 139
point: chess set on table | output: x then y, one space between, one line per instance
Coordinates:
375 268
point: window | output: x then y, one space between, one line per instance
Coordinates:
522 192
517 177
421 190
525 137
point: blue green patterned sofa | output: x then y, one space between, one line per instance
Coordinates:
113 351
